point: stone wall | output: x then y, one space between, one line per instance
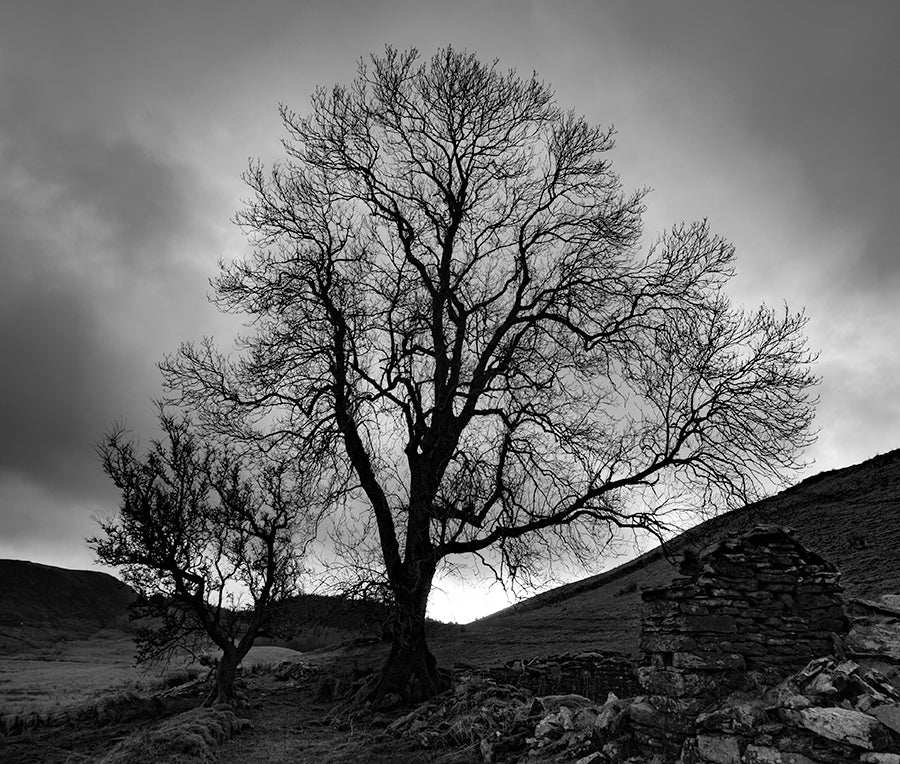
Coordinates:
593 675
746 612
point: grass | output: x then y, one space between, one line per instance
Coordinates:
189 738
96 681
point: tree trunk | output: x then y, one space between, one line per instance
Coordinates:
226 672
410 672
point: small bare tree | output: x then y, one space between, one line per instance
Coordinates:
210 541
446 287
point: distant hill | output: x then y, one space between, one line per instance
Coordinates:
40 604
850 516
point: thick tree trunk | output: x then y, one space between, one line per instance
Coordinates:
226 672
410 673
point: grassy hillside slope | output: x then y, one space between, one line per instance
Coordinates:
851 516
40 604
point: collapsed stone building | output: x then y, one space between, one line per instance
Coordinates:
746 611
746 658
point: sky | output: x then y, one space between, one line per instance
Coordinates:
125 127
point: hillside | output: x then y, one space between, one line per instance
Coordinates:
40 604
851 516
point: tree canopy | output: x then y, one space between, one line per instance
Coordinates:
449 299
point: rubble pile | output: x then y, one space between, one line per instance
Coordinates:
745 611
500 723
591 674
830 712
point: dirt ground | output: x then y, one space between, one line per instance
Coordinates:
290 723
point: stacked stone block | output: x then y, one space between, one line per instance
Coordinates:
746 611
592 674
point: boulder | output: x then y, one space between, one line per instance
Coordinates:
841 725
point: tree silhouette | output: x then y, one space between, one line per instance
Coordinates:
210 542
446 288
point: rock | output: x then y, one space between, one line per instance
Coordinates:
585 718
611 717
592 758
880 758
758 754
719 749
717 661
839 724
554 723
875 640
720 624
740 718
551 703
888 715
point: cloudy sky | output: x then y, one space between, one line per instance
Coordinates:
125 125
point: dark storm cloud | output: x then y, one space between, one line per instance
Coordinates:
814 83
54 367
88 225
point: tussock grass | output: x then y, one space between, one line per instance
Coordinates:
114 707
189 738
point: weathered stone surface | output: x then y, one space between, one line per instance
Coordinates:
761 754
612 717
741 718
888 715
880 758
719 749
667 643
842 725
876 640
724 624
675 683
710 660
649 716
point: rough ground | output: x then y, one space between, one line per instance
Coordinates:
292 719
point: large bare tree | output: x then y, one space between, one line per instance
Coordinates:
447 286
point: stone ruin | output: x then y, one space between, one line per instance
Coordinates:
745 659
747 610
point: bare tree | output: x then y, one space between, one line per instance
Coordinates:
210 541
446 286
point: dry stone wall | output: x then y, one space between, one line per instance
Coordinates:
746 612
593 675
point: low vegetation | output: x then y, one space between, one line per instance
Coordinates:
189 738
